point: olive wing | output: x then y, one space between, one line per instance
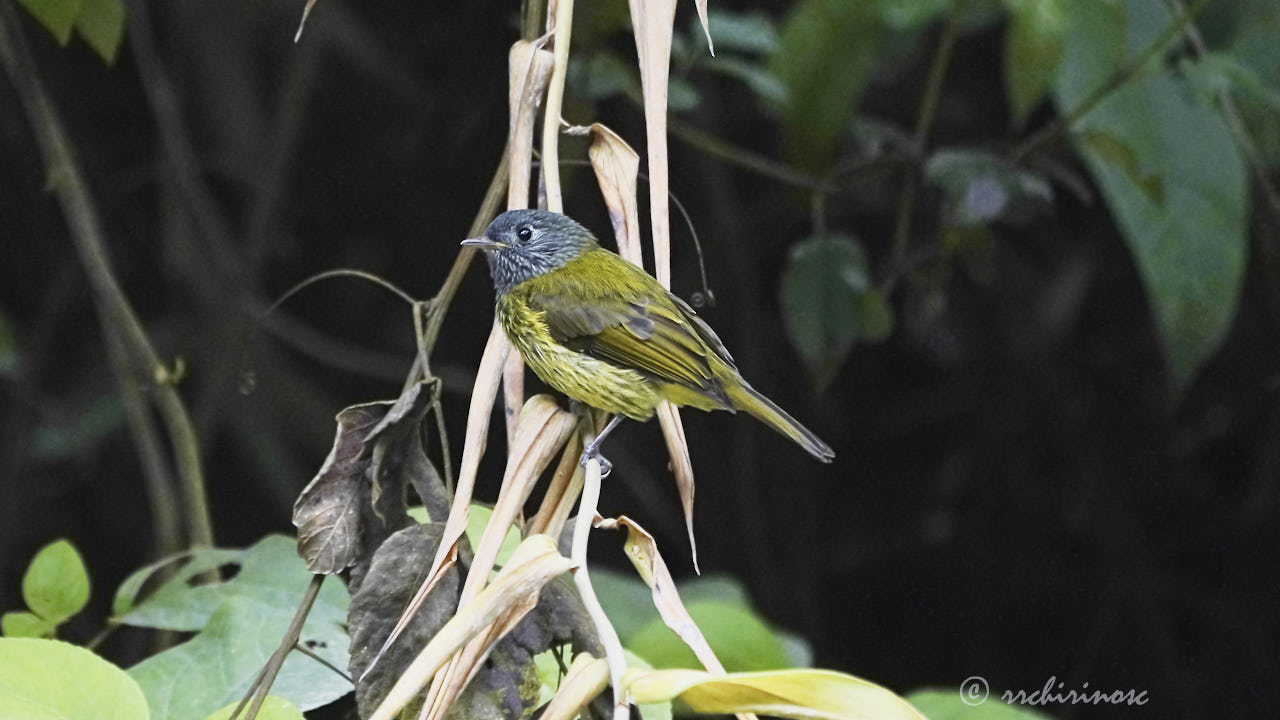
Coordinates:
650 335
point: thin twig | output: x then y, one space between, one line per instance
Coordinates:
924 124
114 311
1121 76
257 693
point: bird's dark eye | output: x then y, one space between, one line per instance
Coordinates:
525 234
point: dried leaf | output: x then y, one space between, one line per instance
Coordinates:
808 694
528 68
483 394
542 430
587 677
706 26
306 13
617 167
535 563
652 21
327 512
681 467
642 551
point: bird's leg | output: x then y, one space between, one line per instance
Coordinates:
593 450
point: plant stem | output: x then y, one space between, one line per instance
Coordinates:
262 684
1122 75
582 578
1234 121
114 311
924 124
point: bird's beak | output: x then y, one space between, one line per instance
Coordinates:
482 243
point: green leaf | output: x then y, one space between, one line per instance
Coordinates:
56 585
825 57
1033 45
1180 200
951 705
273 708
828 300
270 572
25 624
739 637
101 25
57 16
52 680
226 656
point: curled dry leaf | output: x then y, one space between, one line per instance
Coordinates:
534 564
356 499
617 167
808 694
642 551
327 512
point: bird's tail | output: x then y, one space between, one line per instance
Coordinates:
745 398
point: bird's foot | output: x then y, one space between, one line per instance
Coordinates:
593 453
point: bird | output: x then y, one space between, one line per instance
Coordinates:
607 334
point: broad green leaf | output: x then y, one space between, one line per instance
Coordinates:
828 300
201 561
1033 45
273 708
951 705
1180 200
56 585
101 24
1222 72
626 600
812 694
24 624
228 653
52 680
739 638
826 54
270 572
57 16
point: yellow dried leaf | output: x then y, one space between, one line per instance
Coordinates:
808 694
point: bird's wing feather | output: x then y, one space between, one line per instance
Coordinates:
636 328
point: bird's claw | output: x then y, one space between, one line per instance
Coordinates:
593 453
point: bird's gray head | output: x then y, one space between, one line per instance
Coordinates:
523 244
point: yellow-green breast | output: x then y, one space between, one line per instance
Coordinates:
582 377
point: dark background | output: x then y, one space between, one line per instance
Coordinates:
1017 494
